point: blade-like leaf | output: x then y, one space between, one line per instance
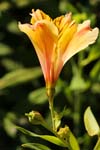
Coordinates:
52 139
36 98
35 146
5 49
93 55
91 124
19 76
73 142
95 72
97 147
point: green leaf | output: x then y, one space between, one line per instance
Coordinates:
21 3
36 98
8 124
93 55
65 5
97 147
10 64
52 139
91 124
95 72
73 142
5 49
35 146
96 88
78 83
13 27
19 76
80 16
4 6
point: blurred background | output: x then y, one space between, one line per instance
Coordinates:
22 86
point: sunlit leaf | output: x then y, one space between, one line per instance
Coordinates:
96 88
10 64
78 83
66 5
52 139
36 98
80 16
5 49
13 27
95 72
35 146
73 142
97 146
90 122
19 76
93 55
9 125
4 5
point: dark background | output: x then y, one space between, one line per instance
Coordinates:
22 86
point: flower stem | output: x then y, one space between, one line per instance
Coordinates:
52 114
50 93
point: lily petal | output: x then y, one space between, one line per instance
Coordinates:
39 15
56 41
43 35
81 39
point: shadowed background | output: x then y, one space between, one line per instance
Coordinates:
22 86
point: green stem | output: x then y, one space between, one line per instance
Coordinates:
50 93
52 114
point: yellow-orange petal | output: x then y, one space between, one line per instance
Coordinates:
82 39
43 35
66 37
63 21
39 15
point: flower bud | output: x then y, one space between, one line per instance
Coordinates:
35 117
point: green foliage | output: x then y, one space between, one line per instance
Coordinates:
50 138
35 146
19 76
91 124
21 80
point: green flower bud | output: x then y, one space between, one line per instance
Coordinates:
35 117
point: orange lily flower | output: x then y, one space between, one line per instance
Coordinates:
56 41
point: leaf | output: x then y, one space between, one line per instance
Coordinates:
78 83
73 142
96 88
10 64
95 72
8 124
97 147
52 139
91 124
80 16
13 27
21 3
4 6
5 49
36 98
65 5
93 55
19 76
35 146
